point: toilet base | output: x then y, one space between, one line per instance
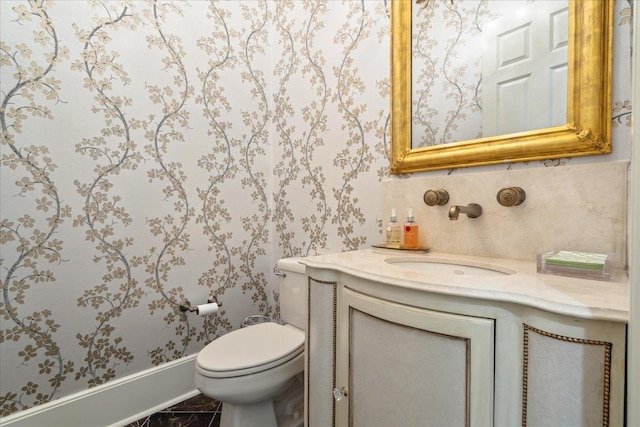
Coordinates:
289 406
287 410
260 414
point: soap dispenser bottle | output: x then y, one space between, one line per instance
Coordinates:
394 231
411 238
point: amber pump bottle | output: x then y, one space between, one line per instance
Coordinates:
411 238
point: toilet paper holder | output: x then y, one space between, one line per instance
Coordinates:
186 306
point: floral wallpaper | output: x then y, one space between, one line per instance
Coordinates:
159 151
162 150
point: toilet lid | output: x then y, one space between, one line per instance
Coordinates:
250 347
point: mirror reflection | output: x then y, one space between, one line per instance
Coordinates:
586 132
487 67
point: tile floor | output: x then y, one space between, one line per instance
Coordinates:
199 411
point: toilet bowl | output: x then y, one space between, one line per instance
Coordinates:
251 368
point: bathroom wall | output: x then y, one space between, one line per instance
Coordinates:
575 207
572 203
159 151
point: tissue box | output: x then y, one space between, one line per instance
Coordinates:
585 265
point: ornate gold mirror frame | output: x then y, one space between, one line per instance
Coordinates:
588 128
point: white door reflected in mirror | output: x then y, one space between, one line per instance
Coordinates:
524 69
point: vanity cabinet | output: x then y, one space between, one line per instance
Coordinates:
380 353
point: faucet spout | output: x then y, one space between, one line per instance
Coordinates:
472 210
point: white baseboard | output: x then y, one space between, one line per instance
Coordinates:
116 403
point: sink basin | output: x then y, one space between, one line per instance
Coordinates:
450 266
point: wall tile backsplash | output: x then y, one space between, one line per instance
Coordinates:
576 207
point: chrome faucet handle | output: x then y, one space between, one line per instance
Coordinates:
511 196
436 197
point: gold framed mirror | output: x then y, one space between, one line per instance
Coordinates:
588 128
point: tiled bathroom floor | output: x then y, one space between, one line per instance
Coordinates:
199 411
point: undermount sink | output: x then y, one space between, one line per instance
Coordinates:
450 266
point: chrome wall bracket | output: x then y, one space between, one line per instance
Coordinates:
186 305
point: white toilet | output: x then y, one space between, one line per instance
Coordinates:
257 371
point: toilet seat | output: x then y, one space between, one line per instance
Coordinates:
250 350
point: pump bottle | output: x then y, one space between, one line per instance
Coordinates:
394 231
411 237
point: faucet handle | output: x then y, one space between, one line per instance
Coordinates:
436 197
511 196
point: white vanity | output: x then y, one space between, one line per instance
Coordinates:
431 339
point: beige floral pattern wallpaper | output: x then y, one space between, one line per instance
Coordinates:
157 151
162 150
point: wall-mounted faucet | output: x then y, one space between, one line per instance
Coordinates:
473 210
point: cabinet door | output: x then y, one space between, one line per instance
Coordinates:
573 375
407 366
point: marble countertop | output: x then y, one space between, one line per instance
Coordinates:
583 298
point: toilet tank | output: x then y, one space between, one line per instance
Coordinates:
293 292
